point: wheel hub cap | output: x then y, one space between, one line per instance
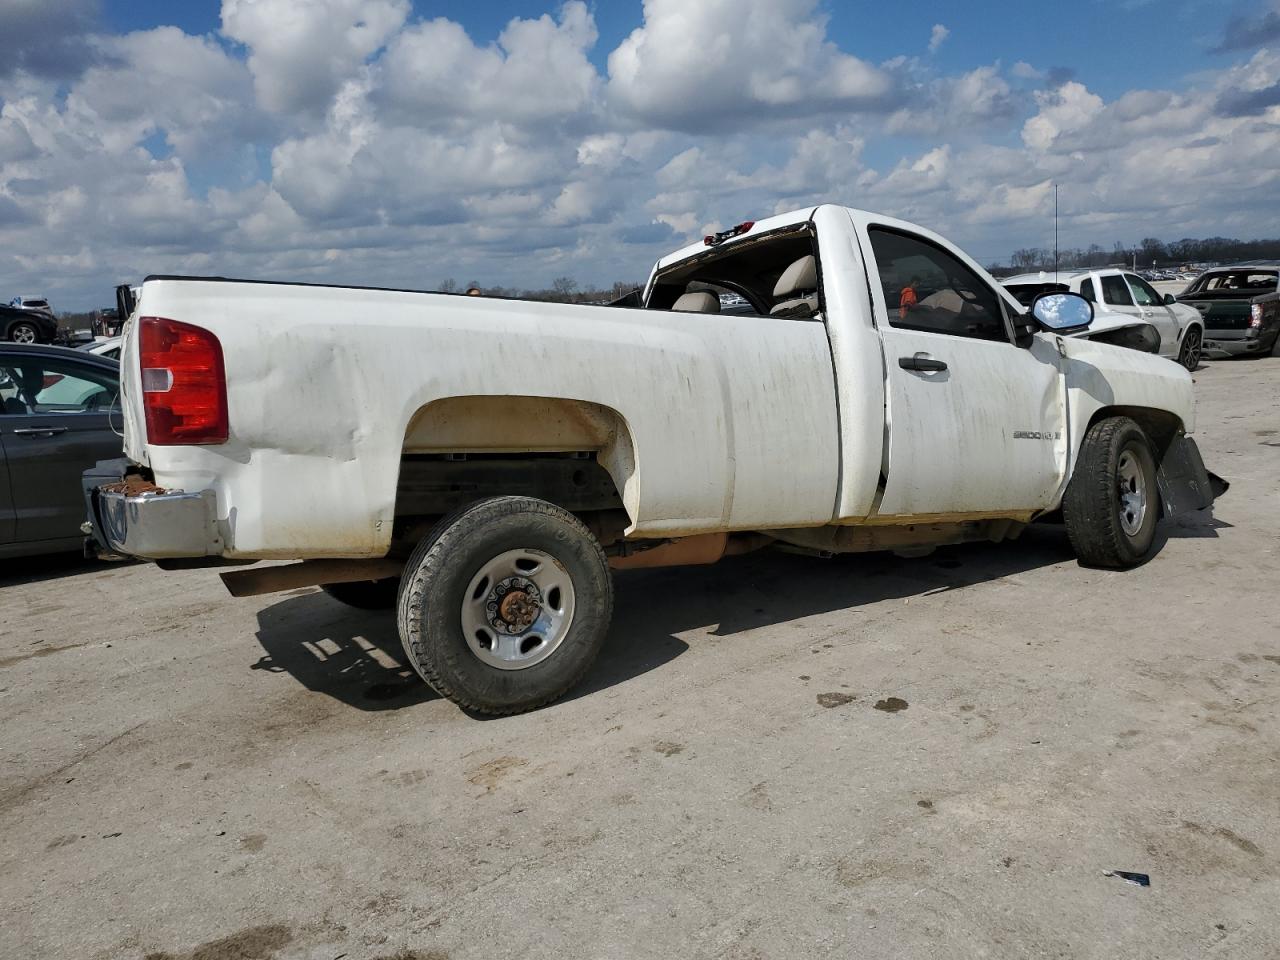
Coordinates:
1132 495
517 609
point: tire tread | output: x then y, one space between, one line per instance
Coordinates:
1088 505
428 560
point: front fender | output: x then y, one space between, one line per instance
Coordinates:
1099 376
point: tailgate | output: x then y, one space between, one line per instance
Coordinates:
1222 314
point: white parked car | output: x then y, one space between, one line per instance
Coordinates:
1125 299
38 304
482 464
108 347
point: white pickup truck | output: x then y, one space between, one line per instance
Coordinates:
482 464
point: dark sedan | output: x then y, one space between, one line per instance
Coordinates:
59 415
27 326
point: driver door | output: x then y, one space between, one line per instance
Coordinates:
1155 312
975 424
55 424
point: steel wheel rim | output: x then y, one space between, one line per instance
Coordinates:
517 609
1191 350
24 334
1132 493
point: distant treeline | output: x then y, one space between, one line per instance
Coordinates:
562 290
1150 252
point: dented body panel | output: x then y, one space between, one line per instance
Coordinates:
706 423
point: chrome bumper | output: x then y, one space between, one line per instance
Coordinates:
152 526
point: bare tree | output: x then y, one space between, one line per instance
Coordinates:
564 288
447 285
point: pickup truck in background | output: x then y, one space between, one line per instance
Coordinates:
483 464
1240 307
1127 305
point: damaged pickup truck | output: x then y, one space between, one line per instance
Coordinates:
483 464
1240 306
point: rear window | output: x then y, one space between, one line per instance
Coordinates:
1241 280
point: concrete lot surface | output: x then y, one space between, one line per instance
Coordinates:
775 758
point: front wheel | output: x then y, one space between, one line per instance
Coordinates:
1112 503
24 332
505 604
1189 354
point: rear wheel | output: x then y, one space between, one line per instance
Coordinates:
505 604
24 332
1189 354
1112 503
365 594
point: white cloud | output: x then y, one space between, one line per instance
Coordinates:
707 66
301 53
344 142
538 70
937 37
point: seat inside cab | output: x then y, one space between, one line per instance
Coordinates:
774 275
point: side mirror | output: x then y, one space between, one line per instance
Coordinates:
1062 312
1170 299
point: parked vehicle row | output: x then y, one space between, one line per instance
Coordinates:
1126 300
483 463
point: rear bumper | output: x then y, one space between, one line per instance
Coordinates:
1220 347
151 525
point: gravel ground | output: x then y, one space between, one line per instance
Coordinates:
776 757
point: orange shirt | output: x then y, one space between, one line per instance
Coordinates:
907 298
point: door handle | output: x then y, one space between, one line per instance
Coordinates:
922 363
40 431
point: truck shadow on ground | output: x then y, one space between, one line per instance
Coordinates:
355 656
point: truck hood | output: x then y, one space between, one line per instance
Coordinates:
1105 322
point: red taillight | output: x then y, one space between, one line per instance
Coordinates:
184 385
50 379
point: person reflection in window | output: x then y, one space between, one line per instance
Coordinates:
907 298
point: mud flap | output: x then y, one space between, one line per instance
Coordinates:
1185 485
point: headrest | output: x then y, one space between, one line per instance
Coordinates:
700 302
32 380
800 276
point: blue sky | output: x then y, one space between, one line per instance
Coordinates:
399 142
1121 45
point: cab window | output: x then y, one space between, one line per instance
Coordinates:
1143 293
48 386
1115 291
927 288
1087 291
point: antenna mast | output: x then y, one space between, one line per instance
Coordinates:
1055 233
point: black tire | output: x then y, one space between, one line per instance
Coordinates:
435 588
1095 513
1275 345
24 332
1191 350
365 594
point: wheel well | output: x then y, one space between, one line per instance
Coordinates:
1160 426
573 453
